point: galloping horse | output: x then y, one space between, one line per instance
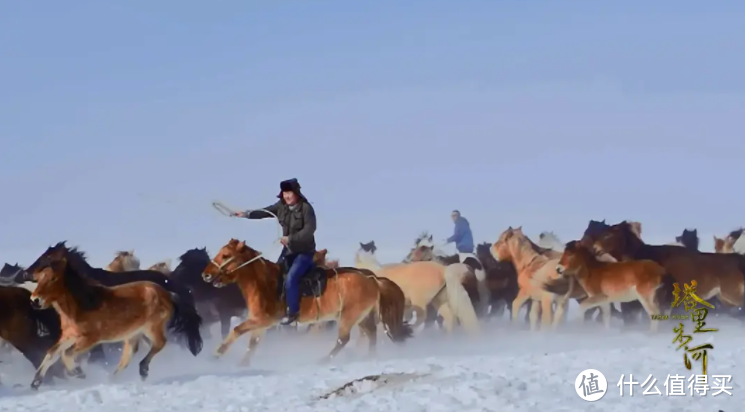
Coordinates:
533 271
351 296
129 311
717 275
425 283
32 332
608 282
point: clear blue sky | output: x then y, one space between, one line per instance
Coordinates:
390 113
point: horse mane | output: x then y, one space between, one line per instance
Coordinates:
87 293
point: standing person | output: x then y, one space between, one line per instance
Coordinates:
298 221
462 235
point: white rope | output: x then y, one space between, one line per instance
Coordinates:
225 210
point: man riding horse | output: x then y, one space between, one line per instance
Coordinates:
298 220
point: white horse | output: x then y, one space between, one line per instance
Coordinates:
549 240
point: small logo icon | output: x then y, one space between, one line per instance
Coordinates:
591 385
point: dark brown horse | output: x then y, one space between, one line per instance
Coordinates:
596 229
32 332
718 275
501 279
128 311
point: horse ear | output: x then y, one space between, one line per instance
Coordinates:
695 231
519 228
362 244
509 228
240 246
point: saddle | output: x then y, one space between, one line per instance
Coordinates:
312 284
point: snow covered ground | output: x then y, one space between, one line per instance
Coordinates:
502 370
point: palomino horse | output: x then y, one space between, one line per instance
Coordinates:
352 297
163 267
124 261
533 270
717 275
128 311
424 250
609 282
426 283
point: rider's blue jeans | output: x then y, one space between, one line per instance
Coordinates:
299 265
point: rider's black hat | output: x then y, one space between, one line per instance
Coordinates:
290 185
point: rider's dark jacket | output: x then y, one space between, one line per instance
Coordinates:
298 222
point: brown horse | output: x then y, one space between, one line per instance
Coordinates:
32 332
595 229
124 261
129 311
609 282
352 297
718 275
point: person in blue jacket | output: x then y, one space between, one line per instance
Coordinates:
462 235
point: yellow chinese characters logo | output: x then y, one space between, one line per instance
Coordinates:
690 302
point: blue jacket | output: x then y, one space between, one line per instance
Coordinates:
462 236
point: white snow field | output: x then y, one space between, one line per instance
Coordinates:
503 370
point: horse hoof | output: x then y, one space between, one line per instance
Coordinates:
35 384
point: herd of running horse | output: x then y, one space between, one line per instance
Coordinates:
62 307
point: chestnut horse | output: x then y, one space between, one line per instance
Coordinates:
609 282
595 229
533 270
718 275
350 296
129 311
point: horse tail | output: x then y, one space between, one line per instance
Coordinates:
480 272
458 299
391 308
664 293
185 323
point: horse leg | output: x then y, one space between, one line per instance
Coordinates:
130 346
369 328
348 318
561 307
253 343
244 327
49 360
97 355
522 297
546 311
535 311
157 336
